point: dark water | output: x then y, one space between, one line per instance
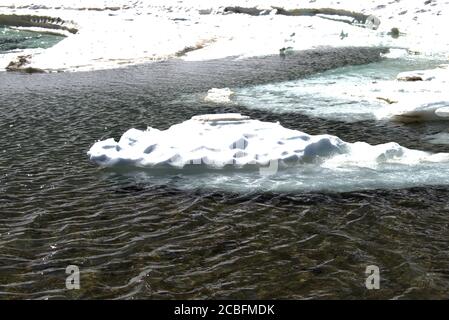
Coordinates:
12 39
140 240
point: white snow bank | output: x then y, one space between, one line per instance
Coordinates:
122 32
218 141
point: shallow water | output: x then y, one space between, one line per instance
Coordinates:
339 94
135 238
13 39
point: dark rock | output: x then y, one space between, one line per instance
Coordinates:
284 51
411 78
343 35
14 20
357 16
372 22
31 70
389 101
19 65
394 33
250 11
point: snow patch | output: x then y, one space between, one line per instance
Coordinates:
121 32
223 140
219 95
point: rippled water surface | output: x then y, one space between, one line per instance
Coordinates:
13 39
134 238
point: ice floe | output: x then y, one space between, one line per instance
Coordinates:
421 95
219 140
219 95
438 138
228 151
396 54
417 109
215 141
354 93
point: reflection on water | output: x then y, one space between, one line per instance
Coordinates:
136 238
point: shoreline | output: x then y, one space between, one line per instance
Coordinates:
126 33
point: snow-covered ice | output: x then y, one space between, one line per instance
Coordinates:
234 142
215 141
355 93
121 32
210 148
219 95
417 109
438 138
424 99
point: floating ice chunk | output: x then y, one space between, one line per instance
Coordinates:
442 112
439 138
233 140
353 93
416 111
395 53
220 117
421 96
219 95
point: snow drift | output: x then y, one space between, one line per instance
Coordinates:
220 140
